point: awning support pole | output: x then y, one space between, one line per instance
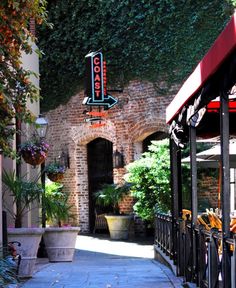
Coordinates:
194 202
193 163
175 161
225 188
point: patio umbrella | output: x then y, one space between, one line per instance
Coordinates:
202 163
207 163
214 154
211 158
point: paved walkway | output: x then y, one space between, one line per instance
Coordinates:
102 263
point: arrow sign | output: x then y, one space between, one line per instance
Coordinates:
107 102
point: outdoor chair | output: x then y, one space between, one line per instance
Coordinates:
100 223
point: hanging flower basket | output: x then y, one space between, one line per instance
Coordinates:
55 177
34 160
34 152
55 171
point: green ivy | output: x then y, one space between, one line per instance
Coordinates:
146 39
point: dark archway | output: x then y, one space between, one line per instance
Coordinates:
100 171
155 136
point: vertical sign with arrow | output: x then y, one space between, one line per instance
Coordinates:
95 90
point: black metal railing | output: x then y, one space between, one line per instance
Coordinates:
197 253
163 232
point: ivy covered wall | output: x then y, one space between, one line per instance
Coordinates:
148 39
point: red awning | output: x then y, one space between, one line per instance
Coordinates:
215 106
222 47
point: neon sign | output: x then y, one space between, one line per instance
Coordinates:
96 82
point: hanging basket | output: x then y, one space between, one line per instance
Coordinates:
36 160
55 177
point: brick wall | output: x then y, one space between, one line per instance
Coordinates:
139 113
208 190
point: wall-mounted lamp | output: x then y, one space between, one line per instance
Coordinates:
64 159
118 159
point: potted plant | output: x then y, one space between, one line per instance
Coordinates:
55 171
8 274
24 193
34 152
60 238
111 195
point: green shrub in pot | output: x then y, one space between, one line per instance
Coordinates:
56 205
110 196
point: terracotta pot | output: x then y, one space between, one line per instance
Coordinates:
60 243
36 160
29 239
55 177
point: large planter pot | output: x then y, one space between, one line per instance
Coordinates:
60 243
119 226
29 239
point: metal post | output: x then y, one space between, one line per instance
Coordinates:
193 163
179 178
18 221
4 228
225 187
194 202
234 265
42 253
174 160
43 195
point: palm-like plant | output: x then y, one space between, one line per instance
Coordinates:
111 195
7 273
24 194
56 204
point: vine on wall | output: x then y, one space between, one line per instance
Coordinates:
146 39
15 85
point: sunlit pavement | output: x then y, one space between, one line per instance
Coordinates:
102 263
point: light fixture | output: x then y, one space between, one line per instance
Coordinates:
41 126
64 158
118 159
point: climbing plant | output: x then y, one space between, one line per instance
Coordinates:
15 85
146 39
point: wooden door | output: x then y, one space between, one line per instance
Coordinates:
100 171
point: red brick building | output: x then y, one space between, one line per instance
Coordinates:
138 117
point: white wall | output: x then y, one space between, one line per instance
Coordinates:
29 62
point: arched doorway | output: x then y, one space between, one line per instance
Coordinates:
155 136
100 171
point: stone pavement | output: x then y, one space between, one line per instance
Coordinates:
102 263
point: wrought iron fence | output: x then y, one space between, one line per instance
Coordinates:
197 253
163 233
